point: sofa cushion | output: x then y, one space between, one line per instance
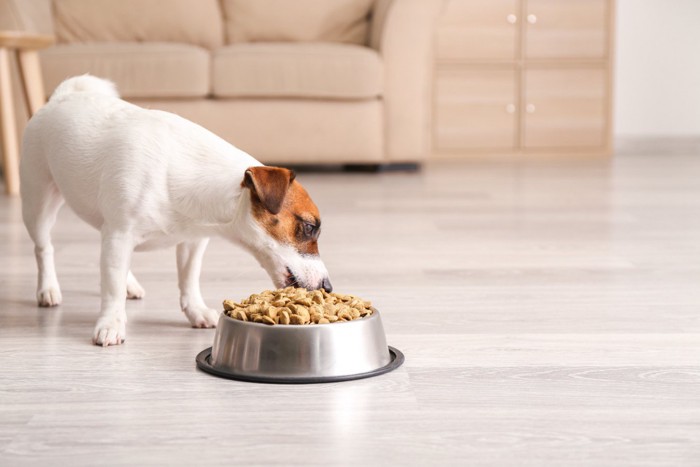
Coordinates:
337 71
139 70
297 21
197 22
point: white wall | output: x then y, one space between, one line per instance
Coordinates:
657 75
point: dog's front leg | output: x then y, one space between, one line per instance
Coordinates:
189 266
117 247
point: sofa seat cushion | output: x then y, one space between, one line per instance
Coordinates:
139 69
299 70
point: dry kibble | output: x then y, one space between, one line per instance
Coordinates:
298 306
344 316
296 319
272 312
230 305
284 317
303 312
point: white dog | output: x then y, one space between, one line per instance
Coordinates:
149 179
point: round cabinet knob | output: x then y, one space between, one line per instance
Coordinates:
510 108
532 19
512 19
530 108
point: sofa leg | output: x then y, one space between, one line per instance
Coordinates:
31 79
8 130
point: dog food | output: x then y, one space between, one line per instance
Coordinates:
298 306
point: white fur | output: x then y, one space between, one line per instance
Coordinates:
146 179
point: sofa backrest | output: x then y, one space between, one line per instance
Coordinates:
197 22
345 21
26 15
208 23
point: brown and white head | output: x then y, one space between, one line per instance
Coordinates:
280 225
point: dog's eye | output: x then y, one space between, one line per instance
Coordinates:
309 229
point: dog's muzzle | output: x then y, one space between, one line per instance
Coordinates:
326 285
292 281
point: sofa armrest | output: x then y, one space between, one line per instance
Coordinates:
402 32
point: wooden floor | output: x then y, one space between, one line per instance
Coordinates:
549 313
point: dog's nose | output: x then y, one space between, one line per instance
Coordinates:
327 285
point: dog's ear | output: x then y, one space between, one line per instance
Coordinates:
269 184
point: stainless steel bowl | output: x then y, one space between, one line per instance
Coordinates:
312 353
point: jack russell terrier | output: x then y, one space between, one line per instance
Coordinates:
149 179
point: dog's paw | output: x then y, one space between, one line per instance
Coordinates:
110 330
49 296
202 317
134 290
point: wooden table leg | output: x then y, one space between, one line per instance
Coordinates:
32 81
8 128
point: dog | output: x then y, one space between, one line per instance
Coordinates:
150 179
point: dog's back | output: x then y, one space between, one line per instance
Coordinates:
106 156
83 141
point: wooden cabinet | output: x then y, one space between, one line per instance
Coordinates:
566 29
564 108
524 76
479 30
477 108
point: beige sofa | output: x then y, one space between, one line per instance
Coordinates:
289 81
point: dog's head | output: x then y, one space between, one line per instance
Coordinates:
283 225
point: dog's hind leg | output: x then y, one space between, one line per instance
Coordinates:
134 290
41 201
189 266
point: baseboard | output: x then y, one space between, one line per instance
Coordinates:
651 145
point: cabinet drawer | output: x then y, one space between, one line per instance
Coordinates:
476 109
566 28
565 108
478 30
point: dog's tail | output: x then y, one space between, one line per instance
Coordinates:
85 83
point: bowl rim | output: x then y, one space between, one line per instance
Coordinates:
374 314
